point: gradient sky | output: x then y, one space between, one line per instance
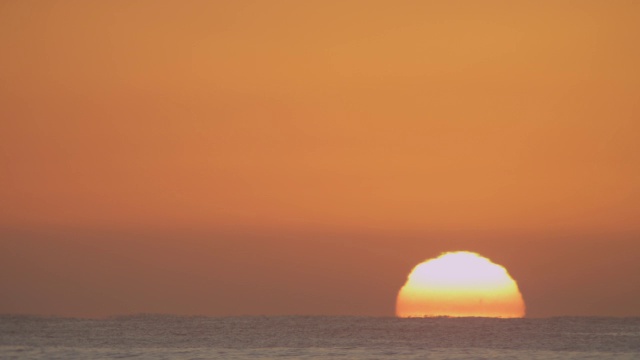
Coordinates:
300 157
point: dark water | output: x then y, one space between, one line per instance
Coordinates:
175 337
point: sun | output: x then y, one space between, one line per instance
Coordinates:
460 284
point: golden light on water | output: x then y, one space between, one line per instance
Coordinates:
460 284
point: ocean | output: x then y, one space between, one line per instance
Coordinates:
318 337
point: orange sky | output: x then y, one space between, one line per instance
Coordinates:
267 157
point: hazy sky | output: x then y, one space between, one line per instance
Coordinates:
300 157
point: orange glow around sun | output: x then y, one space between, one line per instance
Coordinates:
460 284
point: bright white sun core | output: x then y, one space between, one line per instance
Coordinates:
460 284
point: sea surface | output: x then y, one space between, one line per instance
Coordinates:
291 337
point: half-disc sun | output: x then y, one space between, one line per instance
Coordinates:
460 284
